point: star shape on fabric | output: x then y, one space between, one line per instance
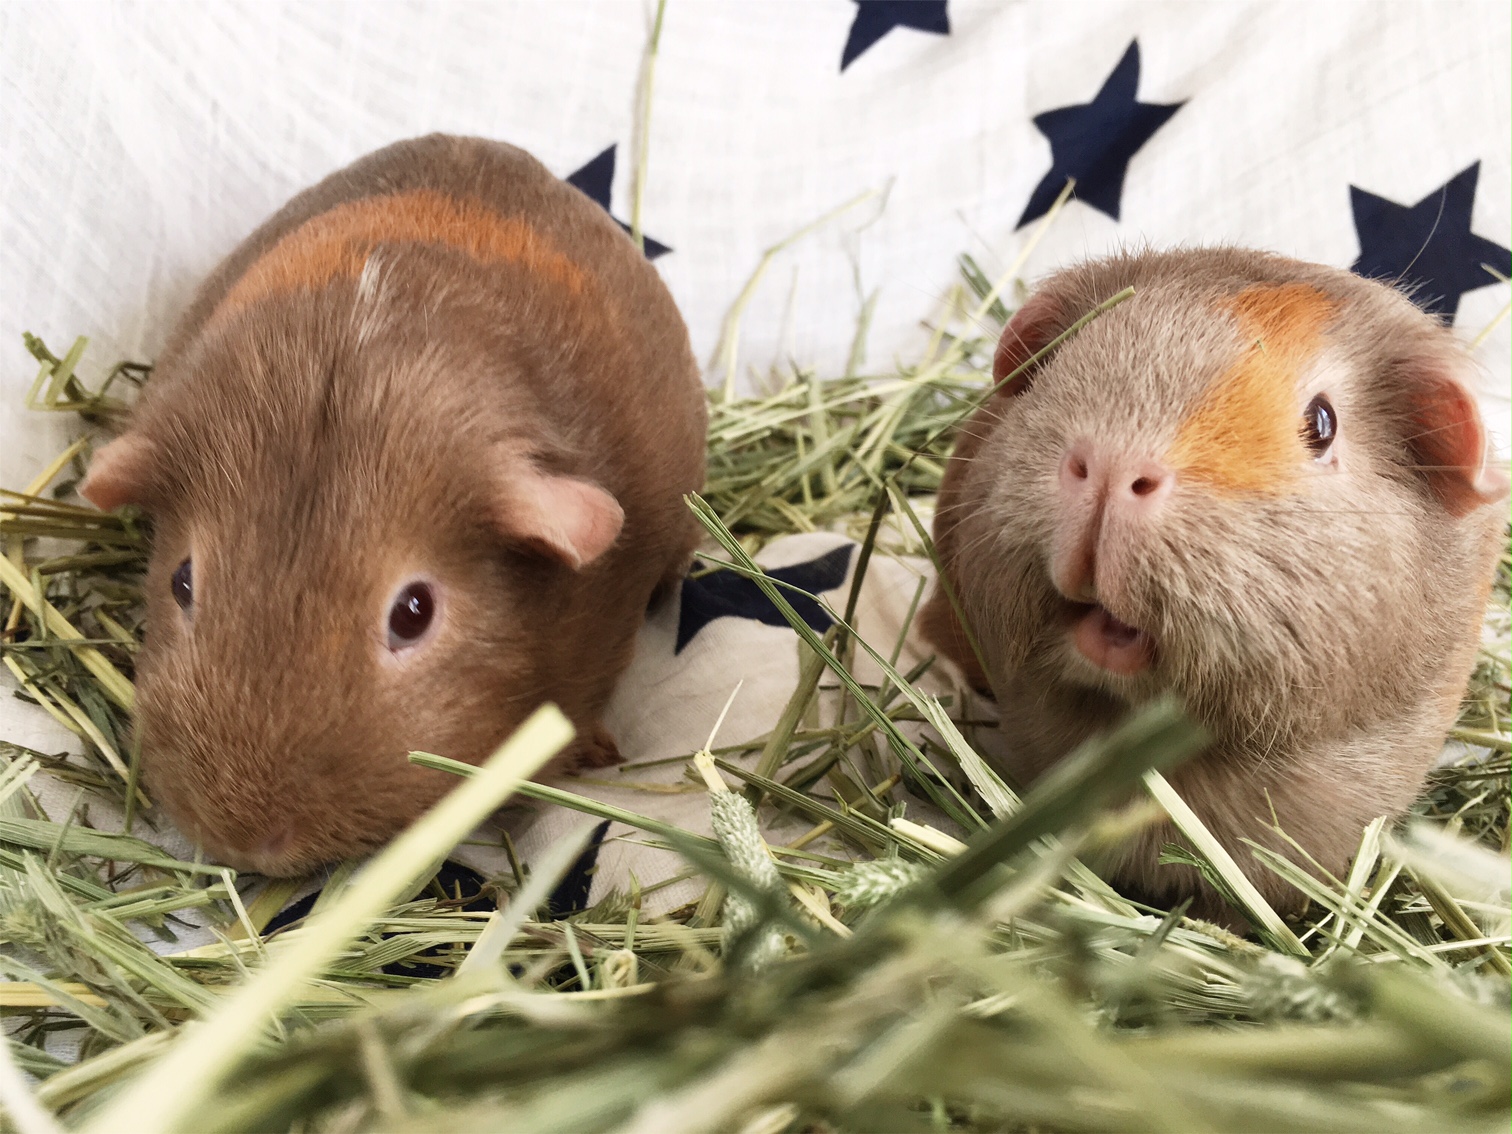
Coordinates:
595 179
725 594
875 18
1094 141
571 893
468 890
1427 249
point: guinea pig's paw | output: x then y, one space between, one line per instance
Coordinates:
594 748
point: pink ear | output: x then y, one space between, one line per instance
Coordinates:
1448 442
1029 331
570 519
119 473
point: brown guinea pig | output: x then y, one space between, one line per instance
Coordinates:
415 460
1259 484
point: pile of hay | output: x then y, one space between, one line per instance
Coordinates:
905 984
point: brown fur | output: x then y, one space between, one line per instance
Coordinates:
1321 622
370 389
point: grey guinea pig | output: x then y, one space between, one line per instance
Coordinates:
414 460
1259 484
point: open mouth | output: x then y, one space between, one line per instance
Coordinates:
1107 642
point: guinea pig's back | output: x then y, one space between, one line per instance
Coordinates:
619 386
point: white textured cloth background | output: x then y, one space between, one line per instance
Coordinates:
140 142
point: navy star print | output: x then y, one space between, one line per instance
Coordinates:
595 179
875 18
456 881
1094 141
571 893
1427 248
725 594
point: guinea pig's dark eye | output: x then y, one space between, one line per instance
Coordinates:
182 584
1319 424
410 616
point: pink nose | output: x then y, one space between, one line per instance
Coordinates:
275 846
264 856
1101 490
1128 483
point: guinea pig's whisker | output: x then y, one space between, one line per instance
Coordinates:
1311 511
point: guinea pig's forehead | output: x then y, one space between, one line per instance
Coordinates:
1157 349
1172 345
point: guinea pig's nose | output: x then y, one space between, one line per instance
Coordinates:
1099 486
276 844
267 855
1121 481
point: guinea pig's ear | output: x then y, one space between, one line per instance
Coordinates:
568 518
120 473
1448 441
1031 329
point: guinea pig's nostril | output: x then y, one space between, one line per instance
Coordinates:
1150 482
1078 467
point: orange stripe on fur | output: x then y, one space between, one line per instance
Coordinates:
336 244
1244 435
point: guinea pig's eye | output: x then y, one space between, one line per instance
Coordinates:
182 584
1319 424
410 616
